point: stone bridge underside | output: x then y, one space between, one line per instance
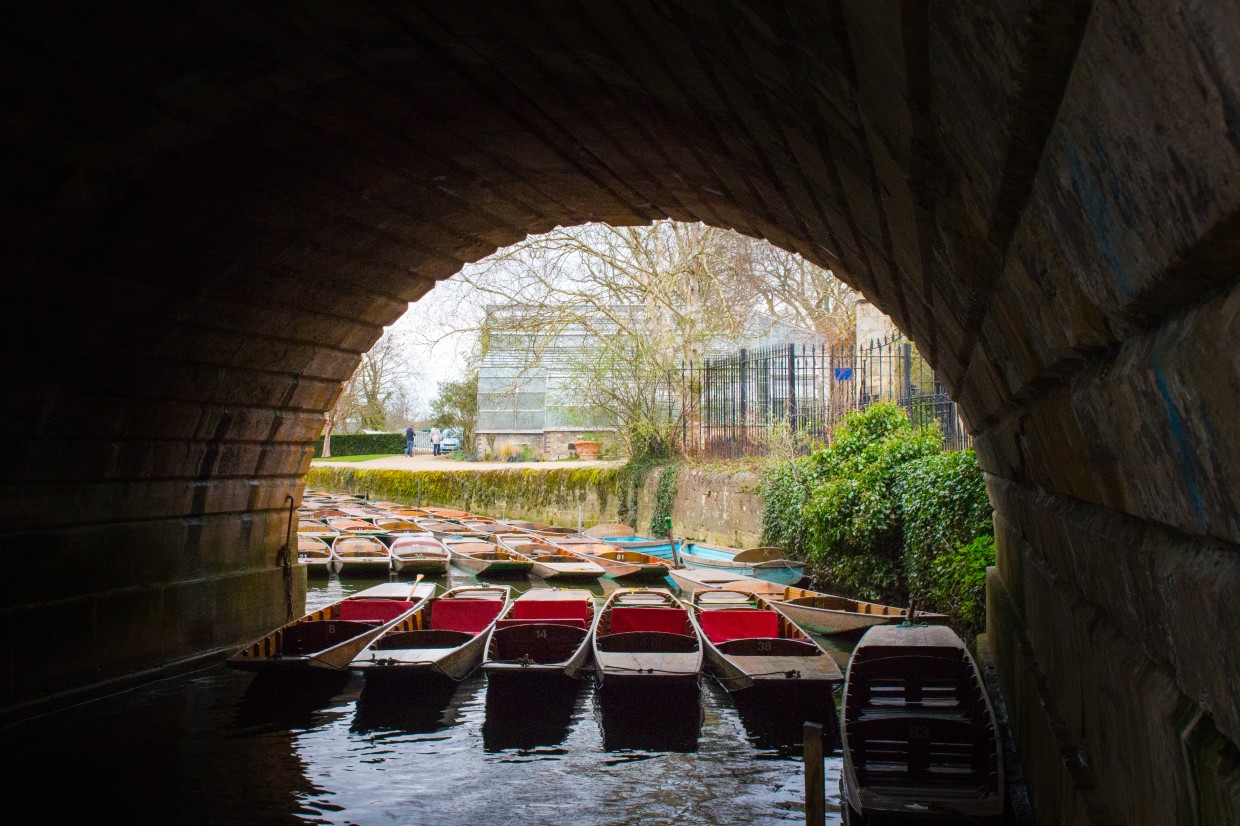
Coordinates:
212 208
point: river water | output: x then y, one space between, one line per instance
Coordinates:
217 746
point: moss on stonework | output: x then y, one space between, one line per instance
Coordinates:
547 495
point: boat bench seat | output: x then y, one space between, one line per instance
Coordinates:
315 635
548 609
923 751
571 623
735 624
370 610
668 620
468 615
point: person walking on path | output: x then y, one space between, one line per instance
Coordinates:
436 438
409 441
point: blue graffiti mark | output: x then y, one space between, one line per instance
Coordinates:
1187 463
1098 211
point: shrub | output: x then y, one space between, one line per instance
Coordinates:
785 487
959 583
363 444
664 498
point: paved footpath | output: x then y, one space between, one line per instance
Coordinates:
425 461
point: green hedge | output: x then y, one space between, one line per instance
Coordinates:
884 514
363 444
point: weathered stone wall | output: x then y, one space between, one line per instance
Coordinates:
718 506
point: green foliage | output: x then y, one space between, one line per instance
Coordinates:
457 406
664 498
358 444
884 513
631 476
958 583
944 504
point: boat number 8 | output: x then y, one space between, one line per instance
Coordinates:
541 633
919 732
765 645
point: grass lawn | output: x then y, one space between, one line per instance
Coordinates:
361 458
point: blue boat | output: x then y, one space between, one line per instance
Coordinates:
760 563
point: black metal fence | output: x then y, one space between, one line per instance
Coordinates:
787 399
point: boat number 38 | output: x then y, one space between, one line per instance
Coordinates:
764 645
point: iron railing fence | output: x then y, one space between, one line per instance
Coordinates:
788 398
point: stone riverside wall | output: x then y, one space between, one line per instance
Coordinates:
711 505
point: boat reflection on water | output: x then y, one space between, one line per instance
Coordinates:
776 722
652 720
279 702
533 715
414 706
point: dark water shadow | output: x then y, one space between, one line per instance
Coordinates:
294 702
528 714
774 719
419 706
651 720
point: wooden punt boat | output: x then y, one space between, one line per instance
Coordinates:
397 525
481 525
655 547
918 732
691 580
315 554
616 563
353 525
486 559
360 555
419 553
646 637
550 562
316 528
829 614
751 645
447 513
544 632
539 528
446 637
608 530
759 563
328 639
443 528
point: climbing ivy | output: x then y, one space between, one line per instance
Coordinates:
664 498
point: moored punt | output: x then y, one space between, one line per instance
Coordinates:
443 528
918 733
446 637
539 528
317 528
486 559
608 530
618 564
544 632
419 553
760 563
690 580
829 614
315 554
359 555
353 525
645 637
447 513
750 645
655 547
328 639
397 525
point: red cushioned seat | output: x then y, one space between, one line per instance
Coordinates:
571 623
629 619
739 624
551 609
468 615
383 610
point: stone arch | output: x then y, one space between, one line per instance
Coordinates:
215 208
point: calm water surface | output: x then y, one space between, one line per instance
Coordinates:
218 746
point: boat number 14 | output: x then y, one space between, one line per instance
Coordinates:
540 633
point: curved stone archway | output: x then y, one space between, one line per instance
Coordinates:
215 208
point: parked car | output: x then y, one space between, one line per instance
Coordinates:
451 441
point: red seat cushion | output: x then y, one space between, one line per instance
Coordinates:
468 615
628 619
551 609
572 623
739 624
384 610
